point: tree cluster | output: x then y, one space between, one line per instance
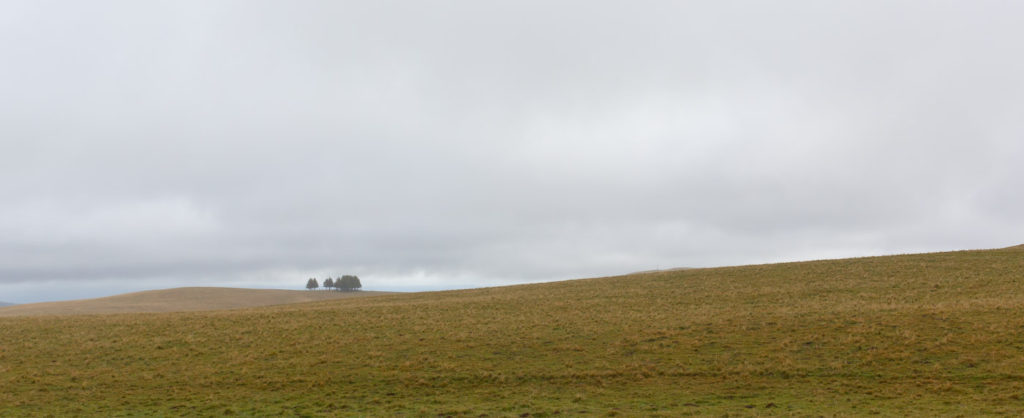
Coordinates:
344 283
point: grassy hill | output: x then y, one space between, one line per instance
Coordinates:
921 335
176 300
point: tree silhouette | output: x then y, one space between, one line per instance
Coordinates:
328 283
348 283
311 284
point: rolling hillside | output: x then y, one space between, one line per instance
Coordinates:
177 300
911 335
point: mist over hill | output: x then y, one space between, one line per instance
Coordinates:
182 299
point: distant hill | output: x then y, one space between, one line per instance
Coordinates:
660 270
5 304
178 300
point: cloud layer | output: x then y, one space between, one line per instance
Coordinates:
453 144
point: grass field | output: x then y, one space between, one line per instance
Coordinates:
177 300
919 335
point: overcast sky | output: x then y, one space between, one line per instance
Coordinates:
439 144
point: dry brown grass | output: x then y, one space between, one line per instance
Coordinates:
914 335
177 300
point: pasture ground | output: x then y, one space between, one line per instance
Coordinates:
918 335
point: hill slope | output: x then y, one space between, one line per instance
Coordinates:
925 335
176 300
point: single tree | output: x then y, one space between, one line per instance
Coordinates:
312 284
346 283
328 283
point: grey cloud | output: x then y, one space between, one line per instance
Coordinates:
458 143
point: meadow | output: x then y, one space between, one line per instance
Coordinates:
917 335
